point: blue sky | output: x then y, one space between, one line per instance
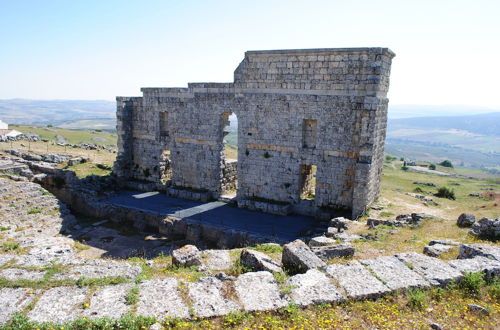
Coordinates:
447 51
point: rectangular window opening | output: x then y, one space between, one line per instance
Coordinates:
164 124
309 133
308 182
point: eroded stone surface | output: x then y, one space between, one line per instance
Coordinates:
394 273
109 301
436 250
313 287
100 268
258 291
321 241
59 305
477 264
299 257
216 259
14 274
13 300
208 300
161 298
188 255
258 261
436 271
334 251
484 250
357 281
5 258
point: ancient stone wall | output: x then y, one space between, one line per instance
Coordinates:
296 109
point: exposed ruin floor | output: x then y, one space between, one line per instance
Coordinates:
49 276
277 227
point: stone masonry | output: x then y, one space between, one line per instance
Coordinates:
311 131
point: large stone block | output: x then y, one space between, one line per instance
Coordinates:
297 256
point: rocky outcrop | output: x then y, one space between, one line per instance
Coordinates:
486 228
466 220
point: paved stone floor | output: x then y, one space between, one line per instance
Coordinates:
218 213
47 276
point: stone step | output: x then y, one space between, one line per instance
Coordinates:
14 300
395 274
160 299
258 291
434 270
59 305
313 287
357 281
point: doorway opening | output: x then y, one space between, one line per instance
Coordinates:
308 182
229 155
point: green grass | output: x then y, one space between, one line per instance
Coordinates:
35 211
73 136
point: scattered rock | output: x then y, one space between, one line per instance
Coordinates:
224 277
258 291
313 287
484 250
208 300
478 309
334 251
486 228
427 200
395 274
466 220
436 326
372 223
61 139
357 280
340 223
444 242
258 261
437 249
297 256
429 184
188 255
477 264
321 241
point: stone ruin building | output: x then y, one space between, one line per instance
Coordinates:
311 131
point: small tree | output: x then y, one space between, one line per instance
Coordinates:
445 192
432 166
446 163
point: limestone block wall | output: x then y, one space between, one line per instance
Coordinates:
321 108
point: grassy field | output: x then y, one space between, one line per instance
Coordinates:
73 136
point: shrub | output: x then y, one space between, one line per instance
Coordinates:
405 168
446 163
472 283
445 192
432 166
416 299
494 288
